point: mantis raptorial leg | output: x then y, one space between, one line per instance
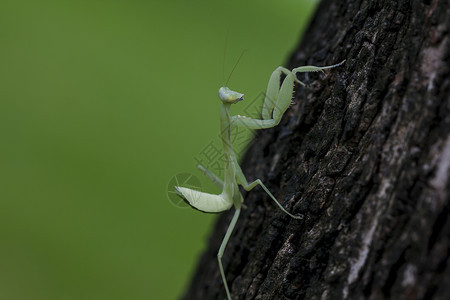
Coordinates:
276 102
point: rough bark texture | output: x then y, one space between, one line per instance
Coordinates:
364 155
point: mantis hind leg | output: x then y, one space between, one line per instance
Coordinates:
249 186
222 249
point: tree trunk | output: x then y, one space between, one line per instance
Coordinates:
364 155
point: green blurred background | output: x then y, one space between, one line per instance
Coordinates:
101 104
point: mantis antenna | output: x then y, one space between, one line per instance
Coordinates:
223 61
224 55
234 67
276 102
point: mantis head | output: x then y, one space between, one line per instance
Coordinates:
229 96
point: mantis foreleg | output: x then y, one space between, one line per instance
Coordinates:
273 90
276 102
277 99
314 68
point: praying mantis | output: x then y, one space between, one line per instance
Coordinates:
277 100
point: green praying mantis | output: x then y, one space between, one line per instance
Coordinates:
277 100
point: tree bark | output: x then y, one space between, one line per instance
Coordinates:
364 155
